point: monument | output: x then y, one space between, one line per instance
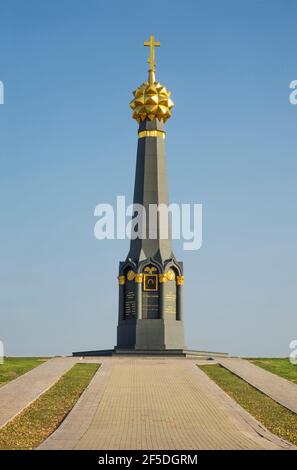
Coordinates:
150 314
151 279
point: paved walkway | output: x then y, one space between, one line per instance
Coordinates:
143 403
281 390
21 392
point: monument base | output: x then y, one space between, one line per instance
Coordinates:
152 353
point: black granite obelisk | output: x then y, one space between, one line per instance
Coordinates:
151 279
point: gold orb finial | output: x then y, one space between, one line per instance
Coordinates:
151 100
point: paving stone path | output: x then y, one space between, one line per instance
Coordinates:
281 390
144 403
21 392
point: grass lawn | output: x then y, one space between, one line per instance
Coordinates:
275 417
15 366
279 366
39 420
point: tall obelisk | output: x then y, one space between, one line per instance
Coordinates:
150 279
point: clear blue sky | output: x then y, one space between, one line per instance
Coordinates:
67 143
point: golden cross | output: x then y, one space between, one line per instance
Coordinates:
152 43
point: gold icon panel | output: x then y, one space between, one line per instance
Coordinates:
150 282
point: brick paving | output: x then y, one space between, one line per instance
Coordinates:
279 389
144 403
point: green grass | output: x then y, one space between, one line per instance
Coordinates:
275 417
279 366
13 367
39 420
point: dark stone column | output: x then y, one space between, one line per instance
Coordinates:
138 281
121 280
179 298
162 280
151 188
152 328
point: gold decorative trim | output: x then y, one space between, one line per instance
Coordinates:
180 280
130 275
162 278
154 133
150 269
121 280
138 278
170 275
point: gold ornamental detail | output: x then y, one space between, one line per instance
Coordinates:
180 280
150 269
162 278
130 275
121 280
151 60
151 99
170 275
139 278
150 282
154 133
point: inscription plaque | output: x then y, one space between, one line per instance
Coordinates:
130 301
150 304
170 299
